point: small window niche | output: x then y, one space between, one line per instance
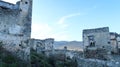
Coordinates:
26 2
91 41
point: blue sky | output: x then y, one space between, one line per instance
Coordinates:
65 19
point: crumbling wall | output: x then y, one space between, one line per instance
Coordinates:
114 42
118 40
96 43
101 37
97 54
15 31
42 45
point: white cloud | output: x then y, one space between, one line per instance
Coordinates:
41 30
11 1
62 23
63 34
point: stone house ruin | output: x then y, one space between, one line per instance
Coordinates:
42 46
115 42
99 43
15 27
96 43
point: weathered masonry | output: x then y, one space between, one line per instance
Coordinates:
97 43
115 42
15 27
42 46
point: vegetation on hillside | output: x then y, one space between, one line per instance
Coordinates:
54 60
37 60
8 60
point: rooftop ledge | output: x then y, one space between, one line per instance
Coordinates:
6 5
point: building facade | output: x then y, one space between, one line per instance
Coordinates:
96 43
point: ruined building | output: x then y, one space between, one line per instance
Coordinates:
96 43
15 27
42 46
99 43
15 30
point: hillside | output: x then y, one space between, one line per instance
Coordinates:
37 60
71 45
9 60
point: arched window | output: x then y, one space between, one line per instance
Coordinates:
92 44
91 41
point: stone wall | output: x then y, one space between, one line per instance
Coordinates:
97 54
94 39
115 42
96 30
101 37
42 45
15 27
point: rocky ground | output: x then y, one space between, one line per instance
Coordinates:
116 58
88 62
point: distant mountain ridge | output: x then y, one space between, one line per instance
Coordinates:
71 45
